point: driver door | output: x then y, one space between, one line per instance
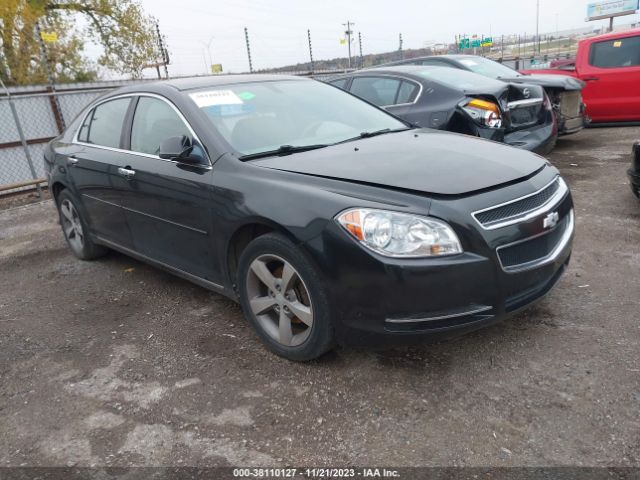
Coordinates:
168 203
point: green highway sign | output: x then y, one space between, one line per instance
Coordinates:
475 42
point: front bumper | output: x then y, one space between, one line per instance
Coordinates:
377 300
539 139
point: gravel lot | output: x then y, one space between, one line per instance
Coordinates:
114 363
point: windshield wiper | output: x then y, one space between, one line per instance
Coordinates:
283 150
374 134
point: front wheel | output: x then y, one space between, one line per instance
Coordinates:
75 229
283 297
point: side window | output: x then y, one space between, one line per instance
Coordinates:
407 93
623 52
103 126
340 83
154 122
380 91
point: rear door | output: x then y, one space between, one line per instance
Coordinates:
612 73
168 203
93 170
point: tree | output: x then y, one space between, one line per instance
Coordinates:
120 27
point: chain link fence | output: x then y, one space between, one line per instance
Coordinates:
29 118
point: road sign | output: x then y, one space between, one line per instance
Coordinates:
475 42
49 37
216 68
611 8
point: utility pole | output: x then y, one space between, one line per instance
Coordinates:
537 40
360 46
310 50
348 33
55 103
400 47
163 53
246 38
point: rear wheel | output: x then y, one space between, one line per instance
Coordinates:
75 229
283 297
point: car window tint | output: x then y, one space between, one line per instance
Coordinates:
407 92
154 121
623 52
380 91
340 83
103 126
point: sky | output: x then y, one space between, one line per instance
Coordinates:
195 29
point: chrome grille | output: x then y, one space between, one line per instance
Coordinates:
495 217
534 251
570 104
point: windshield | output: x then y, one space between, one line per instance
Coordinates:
488 68
264 116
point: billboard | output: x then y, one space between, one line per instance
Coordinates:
611 8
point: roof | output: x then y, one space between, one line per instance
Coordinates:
210 81
613 35
410 69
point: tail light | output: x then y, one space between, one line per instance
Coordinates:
484 112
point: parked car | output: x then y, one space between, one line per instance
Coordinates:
610 66
564 92
457 101
327 218
634 171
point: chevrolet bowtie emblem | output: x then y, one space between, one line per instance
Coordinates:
551 220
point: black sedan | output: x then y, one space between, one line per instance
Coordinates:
634 171
564 91
461 102
327 218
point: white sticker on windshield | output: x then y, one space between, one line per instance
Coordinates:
468 62
215 97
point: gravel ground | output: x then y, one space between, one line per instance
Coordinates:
114 363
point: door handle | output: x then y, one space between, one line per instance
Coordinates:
125 172
72 160
591 79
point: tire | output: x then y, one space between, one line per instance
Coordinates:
75 228
279 286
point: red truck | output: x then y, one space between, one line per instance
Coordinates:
609 64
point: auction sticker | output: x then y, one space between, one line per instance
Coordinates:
215 97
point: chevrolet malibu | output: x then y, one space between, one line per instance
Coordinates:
330 220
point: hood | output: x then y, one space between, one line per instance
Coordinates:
428 161
563 82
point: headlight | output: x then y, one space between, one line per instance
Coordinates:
395 234
484 112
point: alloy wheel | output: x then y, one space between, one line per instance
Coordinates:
280 300
71 225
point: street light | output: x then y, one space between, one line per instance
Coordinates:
207 45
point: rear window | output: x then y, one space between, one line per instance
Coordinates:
459 79
340 83
623 52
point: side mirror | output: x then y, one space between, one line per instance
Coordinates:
176 148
